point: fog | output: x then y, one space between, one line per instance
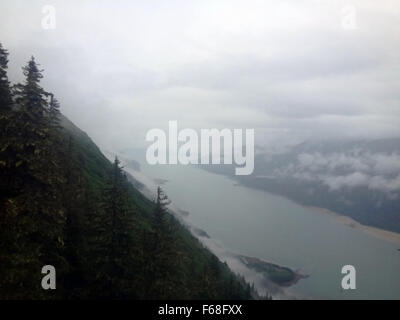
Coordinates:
293 70
353 168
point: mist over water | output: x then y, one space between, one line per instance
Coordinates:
249 222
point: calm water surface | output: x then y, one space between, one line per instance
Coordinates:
255 223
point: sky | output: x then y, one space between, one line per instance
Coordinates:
292 70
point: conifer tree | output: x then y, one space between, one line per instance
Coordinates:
54 112
164 258
33 205
32 95
5 93
12 257
5 117
115 237
75 246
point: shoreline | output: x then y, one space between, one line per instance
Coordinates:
267 268
262 282
258 278
378 233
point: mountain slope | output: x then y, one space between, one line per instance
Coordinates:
64 205
201 275
198 261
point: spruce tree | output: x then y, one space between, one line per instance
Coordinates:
54 112
33 204
75 251
115 235
5 93
5 117
163 267
11 257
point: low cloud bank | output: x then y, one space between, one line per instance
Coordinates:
356 168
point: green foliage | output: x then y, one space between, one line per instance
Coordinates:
63 203
5 94
163 265
32 214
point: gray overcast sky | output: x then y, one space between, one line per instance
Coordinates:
293 70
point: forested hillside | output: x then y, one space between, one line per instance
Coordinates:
62 203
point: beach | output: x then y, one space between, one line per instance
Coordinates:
382 234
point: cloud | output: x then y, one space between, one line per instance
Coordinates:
355 179
354 168
286 68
